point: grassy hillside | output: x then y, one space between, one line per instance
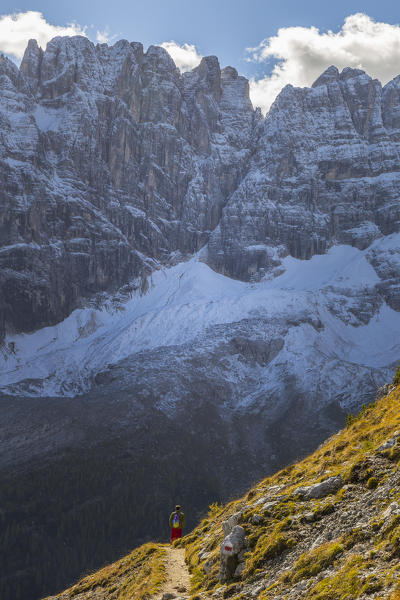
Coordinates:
340 546
70 511
135 577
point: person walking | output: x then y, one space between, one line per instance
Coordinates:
177 523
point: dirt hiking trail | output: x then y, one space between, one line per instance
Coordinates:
177 584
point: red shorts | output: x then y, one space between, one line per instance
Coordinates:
176 533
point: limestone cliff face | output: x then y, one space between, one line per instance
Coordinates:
325 170
111 162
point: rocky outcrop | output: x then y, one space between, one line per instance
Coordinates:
230 524
321 489
232 554
390 443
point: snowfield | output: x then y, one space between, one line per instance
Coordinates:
320 297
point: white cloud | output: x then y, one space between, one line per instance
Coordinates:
104 37
17 29
302 54
185 56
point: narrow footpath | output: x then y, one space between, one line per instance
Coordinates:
177 584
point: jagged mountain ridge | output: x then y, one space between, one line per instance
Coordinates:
325 171
111 161
114 163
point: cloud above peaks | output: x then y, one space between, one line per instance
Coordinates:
295 55
301 54
17 29
105 37
185 56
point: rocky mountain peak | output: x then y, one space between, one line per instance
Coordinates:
8 73
106 93
328 76
235 92
229 74
119 165
160 61
30 65
351 73
124 137
322 141
69 61
209 73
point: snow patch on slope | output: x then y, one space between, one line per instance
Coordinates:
187 300
47 119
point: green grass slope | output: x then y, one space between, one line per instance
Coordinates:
135 577
341 546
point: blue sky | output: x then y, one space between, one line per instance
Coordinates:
222 27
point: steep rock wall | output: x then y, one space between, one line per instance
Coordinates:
111 163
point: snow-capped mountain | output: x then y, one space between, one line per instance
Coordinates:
112 163
115 168
325 170
158 232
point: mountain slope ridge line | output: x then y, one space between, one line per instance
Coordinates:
327 527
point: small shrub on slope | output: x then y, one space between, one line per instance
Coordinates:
311 563
348 582
268 546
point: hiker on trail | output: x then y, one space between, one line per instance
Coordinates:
177 523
